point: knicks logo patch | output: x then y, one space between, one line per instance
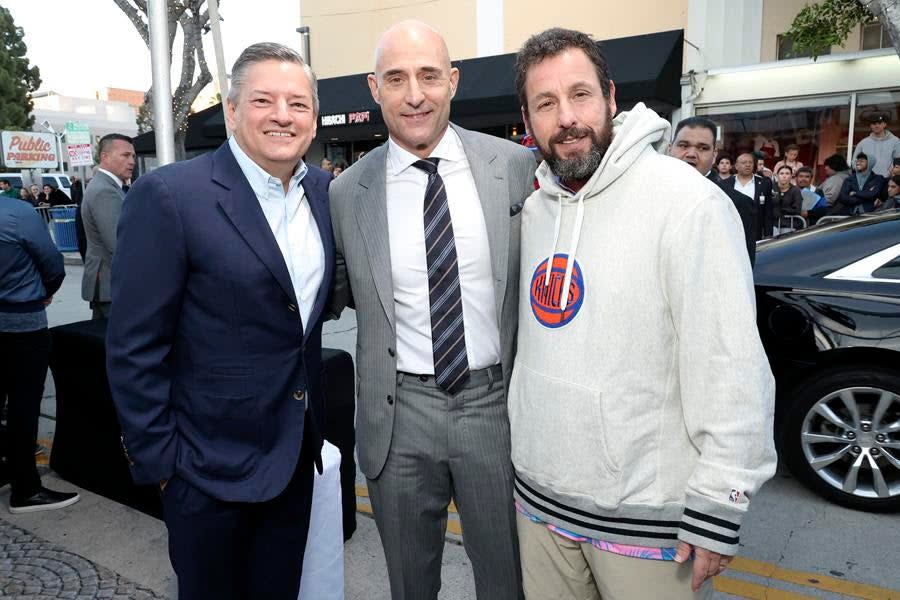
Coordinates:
545 298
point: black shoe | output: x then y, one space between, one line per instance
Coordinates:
44 500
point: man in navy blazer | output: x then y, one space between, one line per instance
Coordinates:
222 269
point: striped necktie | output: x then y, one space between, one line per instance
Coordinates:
448 340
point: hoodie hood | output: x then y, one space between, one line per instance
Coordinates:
634 132
861 176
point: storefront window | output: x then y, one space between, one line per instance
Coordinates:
818 127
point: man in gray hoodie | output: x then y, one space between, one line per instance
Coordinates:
882 146
641 401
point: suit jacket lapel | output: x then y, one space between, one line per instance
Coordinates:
371 214
315 198
238 202
490 181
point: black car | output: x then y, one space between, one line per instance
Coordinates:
828 304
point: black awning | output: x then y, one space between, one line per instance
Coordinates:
206 131
645 68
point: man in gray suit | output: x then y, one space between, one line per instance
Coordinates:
100 211
427 236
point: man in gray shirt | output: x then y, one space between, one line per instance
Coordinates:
882 145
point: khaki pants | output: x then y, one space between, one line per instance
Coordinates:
557 568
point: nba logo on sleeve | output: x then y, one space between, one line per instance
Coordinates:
545 303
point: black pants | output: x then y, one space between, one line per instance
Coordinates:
239 550
23 370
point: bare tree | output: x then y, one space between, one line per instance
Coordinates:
193 19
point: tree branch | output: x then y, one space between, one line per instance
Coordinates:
134 15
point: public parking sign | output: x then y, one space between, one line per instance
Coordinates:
78 144
29 150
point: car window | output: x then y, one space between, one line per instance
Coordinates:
890 270
14 181
64 181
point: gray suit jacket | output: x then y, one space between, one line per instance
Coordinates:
100 211
504 175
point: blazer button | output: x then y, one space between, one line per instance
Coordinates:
390 399
299 395
391 351
292 307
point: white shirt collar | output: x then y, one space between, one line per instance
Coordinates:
258 177
449 148
118 181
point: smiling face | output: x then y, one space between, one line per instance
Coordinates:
696 147
862 164
273 117
568 115
414 84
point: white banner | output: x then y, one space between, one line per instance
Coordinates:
29 150
80 155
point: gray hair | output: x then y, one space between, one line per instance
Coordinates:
262 52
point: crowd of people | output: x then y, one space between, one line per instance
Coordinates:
791 201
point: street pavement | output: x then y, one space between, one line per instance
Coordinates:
794 545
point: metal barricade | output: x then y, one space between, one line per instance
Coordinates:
794 222
62 227
44 211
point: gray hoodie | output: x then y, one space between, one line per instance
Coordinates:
641 400
881 152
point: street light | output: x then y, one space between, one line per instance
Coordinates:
59 136
304 33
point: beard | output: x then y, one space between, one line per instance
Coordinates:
578 168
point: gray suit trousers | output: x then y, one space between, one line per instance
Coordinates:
448 447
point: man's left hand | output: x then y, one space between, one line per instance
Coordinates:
706 563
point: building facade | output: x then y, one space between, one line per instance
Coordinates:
737 66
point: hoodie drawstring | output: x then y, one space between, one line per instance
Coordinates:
555 240
570 260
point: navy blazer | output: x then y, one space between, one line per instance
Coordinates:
864 196
209 365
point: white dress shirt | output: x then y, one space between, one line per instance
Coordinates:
405 198
115 178
748 190
292 223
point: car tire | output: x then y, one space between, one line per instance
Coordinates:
819 405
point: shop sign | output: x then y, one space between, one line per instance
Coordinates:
354 118
29 150
331 120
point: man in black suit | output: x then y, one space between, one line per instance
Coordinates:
758 189
695 143
214 346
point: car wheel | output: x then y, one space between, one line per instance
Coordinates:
842 437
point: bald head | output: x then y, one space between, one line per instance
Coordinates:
410 34
413 84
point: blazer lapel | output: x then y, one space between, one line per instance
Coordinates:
315 198
490 181
371 215
238 202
